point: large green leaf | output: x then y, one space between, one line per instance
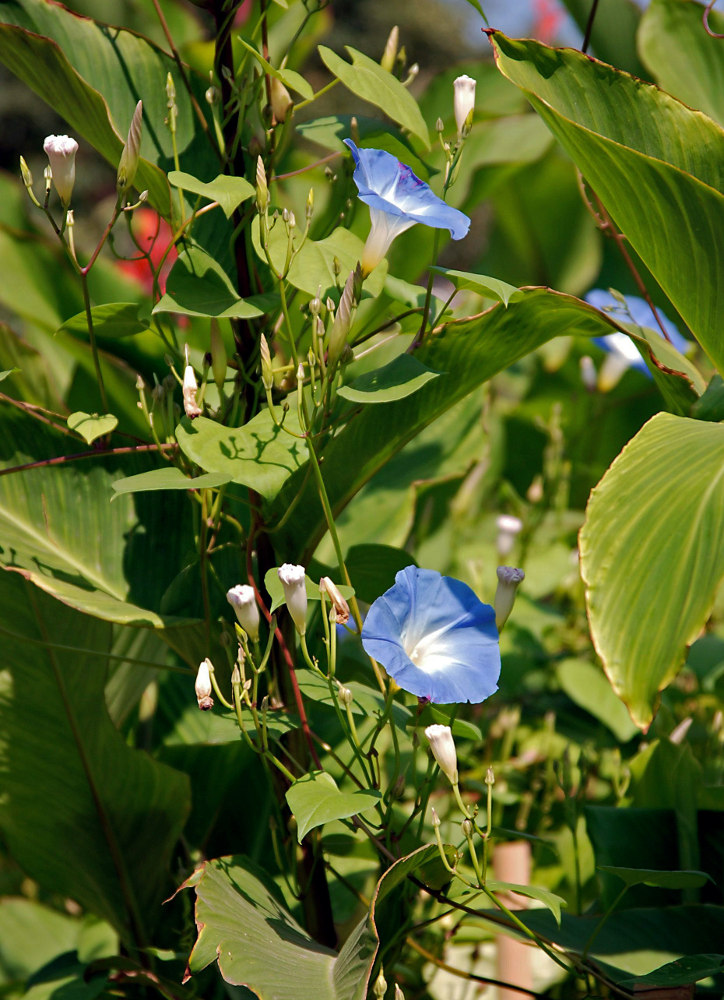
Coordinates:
652 554
260 455
93 77
115 812
366 79
244 925
198 286
613 37
469 354
315 800
59 529
657 166
636 941
684 59
228 191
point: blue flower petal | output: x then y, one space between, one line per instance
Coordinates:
435 638
390 186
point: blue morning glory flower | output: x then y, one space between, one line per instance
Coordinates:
435 638
397 199
634 310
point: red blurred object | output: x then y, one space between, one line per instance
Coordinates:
153 235
548 16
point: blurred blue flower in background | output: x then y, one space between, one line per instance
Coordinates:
631 310
435 638
397 199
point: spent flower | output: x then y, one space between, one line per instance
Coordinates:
397 199
435 638
203 685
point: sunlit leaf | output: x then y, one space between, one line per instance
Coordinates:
652 554
91 426
617 128
315 800
366 79
230 192
401 377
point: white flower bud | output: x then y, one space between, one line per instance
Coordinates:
464 103
508 579
61 150
509 527
243 601
295 594
341 608
443 750
203 686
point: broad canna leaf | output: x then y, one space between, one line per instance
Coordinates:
657 166
652 554
82 813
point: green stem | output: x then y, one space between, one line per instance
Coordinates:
92 338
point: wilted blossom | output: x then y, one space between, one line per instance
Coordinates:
190 388
203 686
435 638
442 745
509 578
622 351
340 606
243 601
397 199
463 101
61 150
295 594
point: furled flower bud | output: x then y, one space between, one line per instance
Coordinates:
267 372
508 579
389 56
191 407
61 150
399 995
130 156
464 104
281 100
443 750
295 594
203 685
341 608
380 987
243 601
343 318
262 191
509 527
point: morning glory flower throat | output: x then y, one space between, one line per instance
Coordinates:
397 199
435 638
